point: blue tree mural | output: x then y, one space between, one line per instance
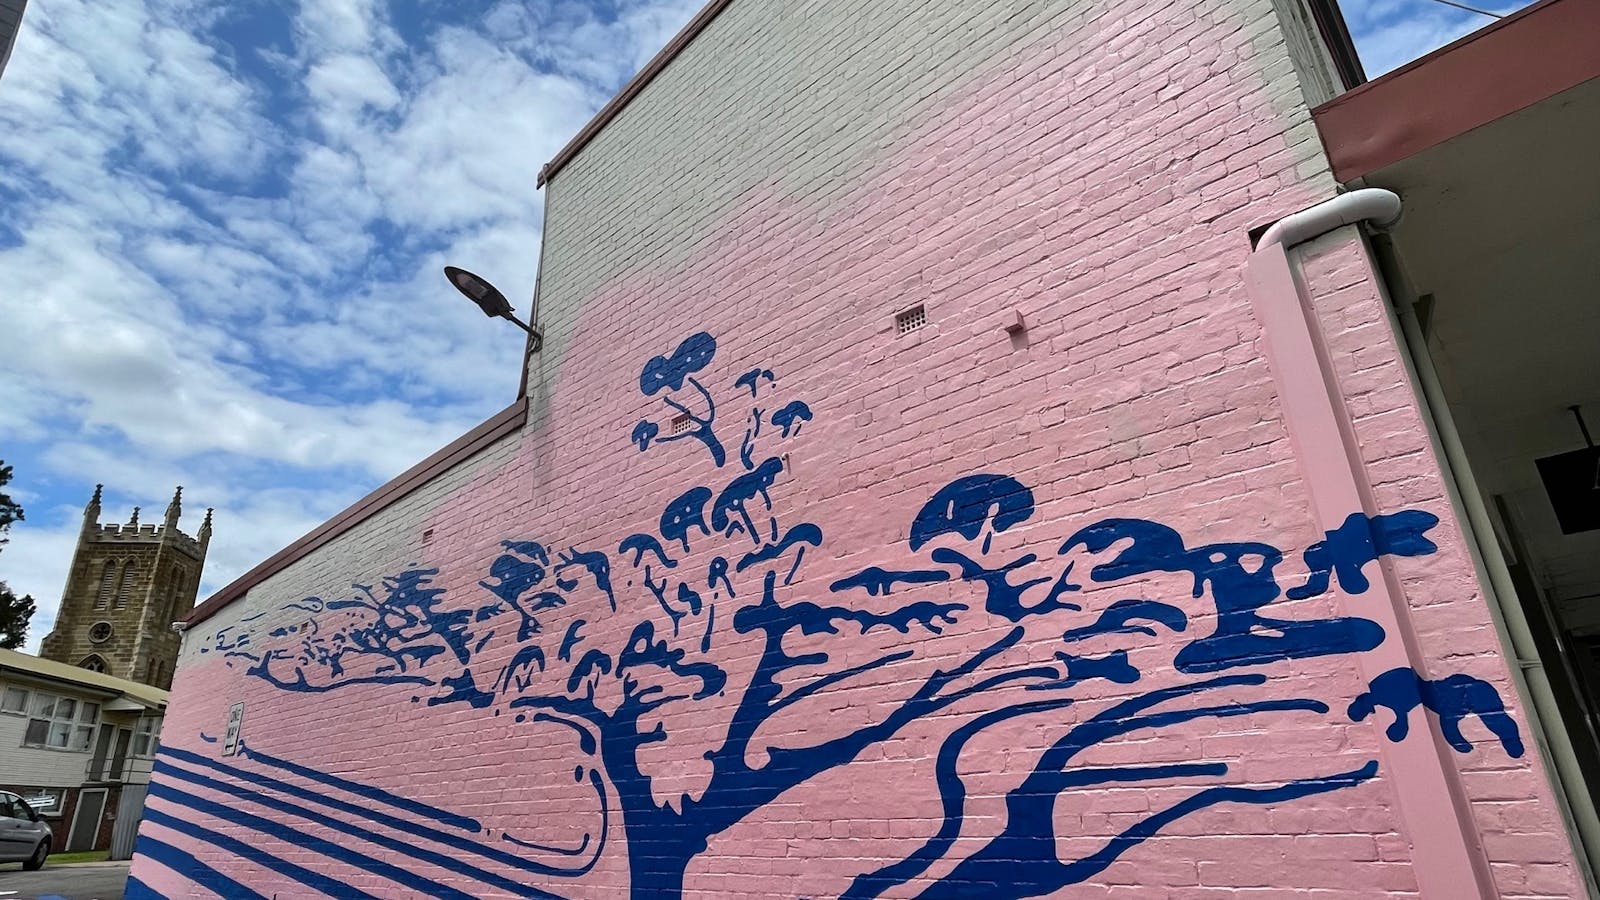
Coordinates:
612 642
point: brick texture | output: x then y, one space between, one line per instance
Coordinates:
1513 808
800 175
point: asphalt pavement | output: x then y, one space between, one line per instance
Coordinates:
77 881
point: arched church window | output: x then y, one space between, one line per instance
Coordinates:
93 662
108 585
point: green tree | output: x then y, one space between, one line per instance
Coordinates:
10 510
14 615
14 611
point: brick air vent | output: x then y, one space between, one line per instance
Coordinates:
911 319
680 423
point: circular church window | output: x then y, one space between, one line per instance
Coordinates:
100 632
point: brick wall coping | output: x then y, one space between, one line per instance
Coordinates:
457 451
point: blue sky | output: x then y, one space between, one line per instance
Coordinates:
222 226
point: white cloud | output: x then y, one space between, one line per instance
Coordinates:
323 26
232 280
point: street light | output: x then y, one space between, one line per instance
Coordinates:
489 299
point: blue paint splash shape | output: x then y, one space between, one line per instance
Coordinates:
882 581
644 433
1361 540
1241 580
803 533
735 499
570 639
663 372
518 570
686 513
640 544
965 505
1002 596
1113 667
1121 618
1453 698
717 573
751 379
791 417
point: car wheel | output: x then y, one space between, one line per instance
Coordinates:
36 861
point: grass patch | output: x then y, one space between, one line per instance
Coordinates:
56 859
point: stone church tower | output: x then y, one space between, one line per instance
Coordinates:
127 585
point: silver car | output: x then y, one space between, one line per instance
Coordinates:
24 837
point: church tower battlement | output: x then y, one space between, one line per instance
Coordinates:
128 583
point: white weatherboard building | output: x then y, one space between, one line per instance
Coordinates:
78 746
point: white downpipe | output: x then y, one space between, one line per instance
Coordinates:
1375 205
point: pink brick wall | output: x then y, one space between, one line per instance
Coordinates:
1513 809
774 724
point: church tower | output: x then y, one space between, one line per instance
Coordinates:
127 585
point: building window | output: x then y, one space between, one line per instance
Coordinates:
100 632
14 700
46 801
108 585
126 587
63 723
145 736
93 662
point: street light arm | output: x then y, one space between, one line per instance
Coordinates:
533 333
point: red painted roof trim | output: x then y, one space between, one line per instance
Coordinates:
458 451
633 87
1526 57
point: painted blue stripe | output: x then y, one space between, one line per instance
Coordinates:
193 869
367 791
315 880
291 835
134 889
456 842
327 848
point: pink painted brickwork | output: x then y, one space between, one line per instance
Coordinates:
1044 701
1513 809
